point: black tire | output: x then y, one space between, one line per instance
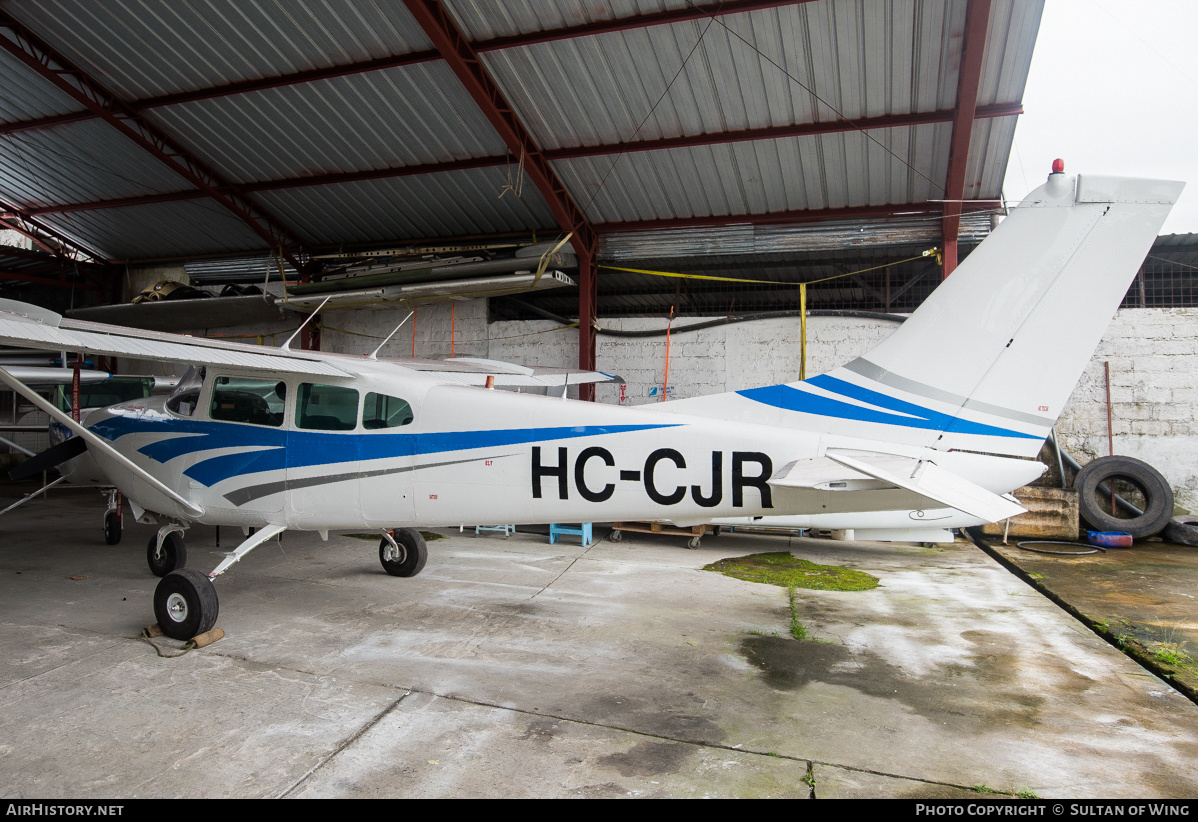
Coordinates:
413 553
174 554
185 604
112 528
1158 496
1182 531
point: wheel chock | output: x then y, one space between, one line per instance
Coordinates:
208 637
153 631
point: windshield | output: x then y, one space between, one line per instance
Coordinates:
183 399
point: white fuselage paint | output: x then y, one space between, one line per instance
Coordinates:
539 460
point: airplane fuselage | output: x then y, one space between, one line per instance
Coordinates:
538 460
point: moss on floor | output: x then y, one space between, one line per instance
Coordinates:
788 571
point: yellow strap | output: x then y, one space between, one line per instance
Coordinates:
928 253
802 331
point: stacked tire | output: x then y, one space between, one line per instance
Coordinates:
1158 497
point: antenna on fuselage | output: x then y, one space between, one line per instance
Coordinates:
287 345
374 355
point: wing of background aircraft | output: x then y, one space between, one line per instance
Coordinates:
41 376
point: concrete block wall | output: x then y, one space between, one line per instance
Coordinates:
722 358
1153 357
360 331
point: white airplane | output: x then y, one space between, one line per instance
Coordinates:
948 412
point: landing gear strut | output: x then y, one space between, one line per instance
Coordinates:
112 517
185 602
166 551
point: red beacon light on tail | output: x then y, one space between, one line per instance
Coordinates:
1058 166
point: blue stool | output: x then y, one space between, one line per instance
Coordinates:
583 530
507 529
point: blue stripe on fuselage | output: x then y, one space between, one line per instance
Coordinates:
270 449
895 411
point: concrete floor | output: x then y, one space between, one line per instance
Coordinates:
515 668
1141 599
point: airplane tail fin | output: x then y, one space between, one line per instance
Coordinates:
989 360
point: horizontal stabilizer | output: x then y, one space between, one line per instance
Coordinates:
929 480
50 458
840 472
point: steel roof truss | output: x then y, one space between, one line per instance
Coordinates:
41 58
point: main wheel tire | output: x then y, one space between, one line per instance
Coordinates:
1158 496
174 554
413 553
112 527
185 604
1182 531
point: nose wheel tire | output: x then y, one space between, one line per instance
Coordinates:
173 555
185 604
411 556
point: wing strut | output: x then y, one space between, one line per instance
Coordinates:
98 442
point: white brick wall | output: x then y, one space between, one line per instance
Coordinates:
1154 393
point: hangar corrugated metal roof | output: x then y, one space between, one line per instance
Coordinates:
326 122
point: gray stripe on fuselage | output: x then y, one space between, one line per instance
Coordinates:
252 492
878 374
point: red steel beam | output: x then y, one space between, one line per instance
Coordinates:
43 262
464 62
783 132
687 13
973 50
804 216
25 46
62 282
554 155
20 221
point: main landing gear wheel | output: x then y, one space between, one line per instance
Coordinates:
112 527
185 604
172 556
410 557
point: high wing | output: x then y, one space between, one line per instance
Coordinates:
475 370
27 326
861 471
30 327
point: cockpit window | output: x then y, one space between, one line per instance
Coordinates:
241 399
186 395
382 411
327 408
